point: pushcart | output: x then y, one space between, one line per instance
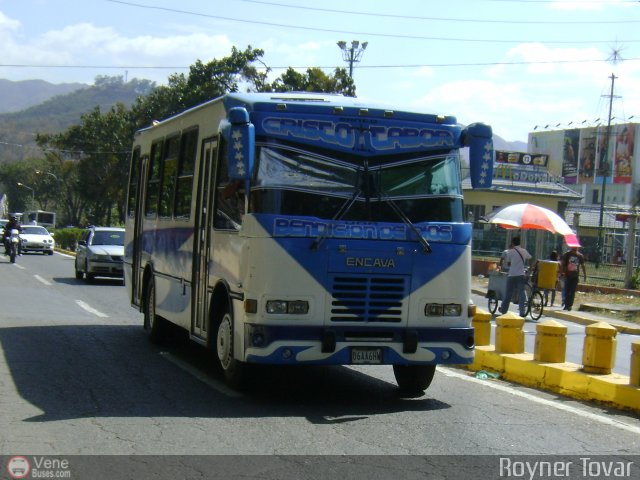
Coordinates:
497 291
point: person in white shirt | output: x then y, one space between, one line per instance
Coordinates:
517 258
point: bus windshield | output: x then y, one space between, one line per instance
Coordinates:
294 182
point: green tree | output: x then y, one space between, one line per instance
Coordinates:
315 80
94 157
204 82
22 198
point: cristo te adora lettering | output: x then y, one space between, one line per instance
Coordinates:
387 138
340 133
379 137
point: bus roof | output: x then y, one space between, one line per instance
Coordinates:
321 103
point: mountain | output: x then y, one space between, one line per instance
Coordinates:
18 130
16 96
501 144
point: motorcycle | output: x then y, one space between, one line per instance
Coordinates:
14 244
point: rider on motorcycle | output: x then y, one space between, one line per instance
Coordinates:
13 224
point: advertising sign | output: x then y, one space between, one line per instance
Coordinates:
570 156
624 145
519 158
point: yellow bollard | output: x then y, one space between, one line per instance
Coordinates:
599 352
482 327
634 377
551 342
509 334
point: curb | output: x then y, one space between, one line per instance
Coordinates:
564 378
575 317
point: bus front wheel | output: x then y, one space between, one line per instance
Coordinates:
413 379
234 371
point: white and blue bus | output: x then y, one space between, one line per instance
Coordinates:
306 229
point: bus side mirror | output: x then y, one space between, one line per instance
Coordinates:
239 134
479 138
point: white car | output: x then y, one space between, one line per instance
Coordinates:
36 239
100 253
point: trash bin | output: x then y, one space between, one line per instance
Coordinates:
547 274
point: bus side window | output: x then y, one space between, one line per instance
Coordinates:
229 206
229 201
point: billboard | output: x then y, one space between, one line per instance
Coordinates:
570 156
623 154
589 155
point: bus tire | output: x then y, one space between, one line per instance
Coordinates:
413 379
152 322
234 371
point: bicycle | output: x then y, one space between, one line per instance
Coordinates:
534 296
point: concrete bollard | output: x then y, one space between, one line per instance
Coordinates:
551 342
599 351
634 376
482 327
509 334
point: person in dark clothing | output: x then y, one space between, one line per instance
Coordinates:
572 264
12 224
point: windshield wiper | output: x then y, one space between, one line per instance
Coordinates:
339 214
398 211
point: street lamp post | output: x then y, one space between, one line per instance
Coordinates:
33 193
352 55
40 172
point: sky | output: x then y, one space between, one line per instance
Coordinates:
517 65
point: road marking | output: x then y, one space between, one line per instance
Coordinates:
90 309
18 266
190 369
40 279
549 403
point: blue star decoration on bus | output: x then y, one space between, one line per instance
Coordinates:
486 158
238 155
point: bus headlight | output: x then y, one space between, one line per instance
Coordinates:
452 310
290 307
440 310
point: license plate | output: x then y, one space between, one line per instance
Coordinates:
366 355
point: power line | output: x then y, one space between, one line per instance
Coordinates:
59 150
443 19
361 34
432 65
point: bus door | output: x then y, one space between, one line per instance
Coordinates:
136 258
202 237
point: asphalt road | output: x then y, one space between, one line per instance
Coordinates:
78 376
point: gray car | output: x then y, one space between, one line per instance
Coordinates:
99 253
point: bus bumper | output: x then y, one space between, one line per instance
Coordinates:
358 345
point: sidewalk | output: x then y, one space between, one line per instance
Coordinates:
479 287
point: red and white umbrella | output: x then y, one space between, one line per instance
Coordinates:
532 217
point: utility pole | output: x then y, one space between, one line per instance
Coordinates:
352 54
605 175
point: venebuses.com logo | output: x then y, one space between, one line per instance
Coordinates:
18 467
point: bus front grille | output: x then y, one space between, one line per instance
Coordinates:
368 299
